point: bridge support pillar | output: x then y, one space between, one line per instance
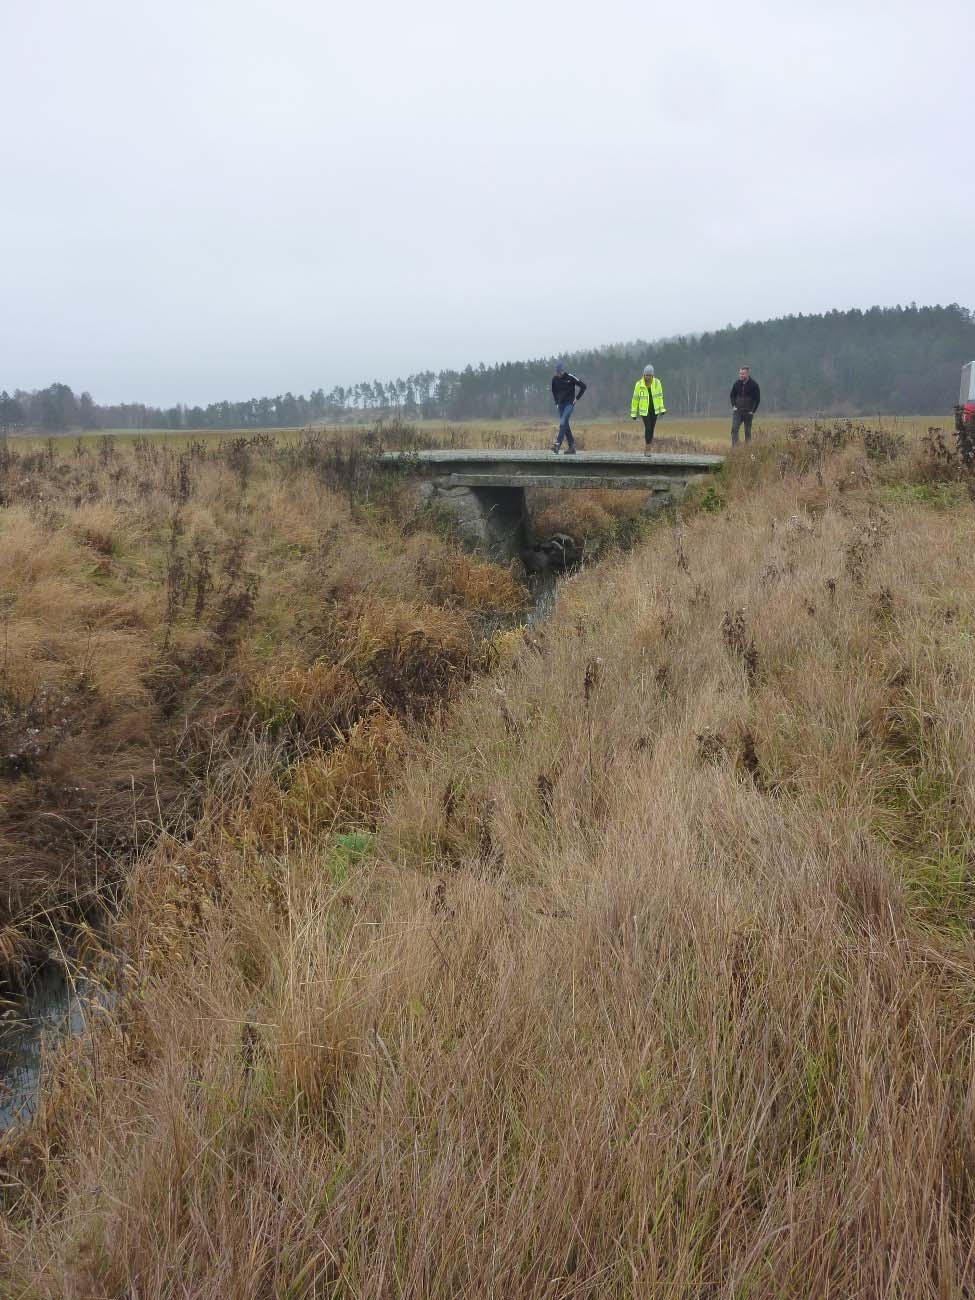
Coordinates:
489 518
660 498
672 495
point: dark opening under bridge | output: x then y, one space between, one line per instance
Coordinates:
485 490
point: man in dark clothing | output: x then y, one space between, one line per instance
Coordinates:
564 388
745 397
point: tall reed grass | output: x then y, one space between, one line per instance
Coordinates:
649 975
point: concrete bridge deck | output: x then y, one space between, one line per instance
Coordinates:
523 469
485 490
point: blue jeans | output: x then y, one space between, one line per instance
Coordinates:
565 411
738 419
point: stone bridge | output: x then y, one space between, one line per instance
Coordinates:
485 490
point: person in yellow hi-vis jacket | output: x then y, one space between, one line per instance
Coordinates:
648 402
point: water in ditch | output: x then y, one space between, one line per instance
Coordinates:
53 1004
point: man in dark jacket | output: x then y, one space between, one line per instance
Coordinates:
745 397
564 388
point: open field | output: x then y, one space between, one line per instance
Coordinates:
620 434
641 964
624 434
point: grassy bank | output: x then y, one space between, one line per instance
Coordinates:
164 611
645 970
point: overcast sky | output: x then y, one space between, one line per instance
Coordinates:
226 198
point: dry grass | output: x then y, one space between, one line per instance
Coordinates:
588 516
159 606
674 432
654 978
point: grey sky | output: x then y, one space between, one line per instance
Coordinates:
226 198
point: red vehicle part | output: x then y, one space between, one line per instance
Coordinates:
965 433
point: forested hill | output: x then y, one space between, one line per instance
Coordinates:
894 360
886 359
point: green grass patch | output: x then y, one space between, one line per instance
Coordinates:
923 822
348 851
937 496
943 885
711 500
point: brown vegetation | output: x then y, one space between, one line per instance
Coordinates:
162 609
654 979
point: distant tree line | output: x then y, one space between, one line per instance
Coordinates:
888 359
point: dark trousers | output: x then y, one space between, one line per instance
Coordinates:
649 422
738 419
